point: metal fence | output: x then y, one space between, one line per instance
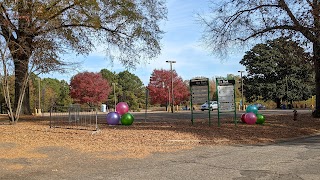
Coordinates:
73 117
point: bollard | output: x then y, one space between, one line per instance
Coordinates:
295 115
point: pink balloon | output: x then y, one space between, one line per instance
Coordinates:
122 108
250 118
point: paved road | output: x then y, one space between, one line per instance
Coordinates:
296 159
299 159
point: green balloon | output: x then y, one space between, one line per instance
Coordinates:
260 119
127 119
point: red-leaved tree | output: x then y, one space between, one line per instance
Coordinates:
90 88
160 87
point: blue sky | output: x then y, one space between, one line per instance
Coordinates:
181 43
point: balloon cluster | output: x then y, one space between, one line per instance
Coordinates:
252 116
121 115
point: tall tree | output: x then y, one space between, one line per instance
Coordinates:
278 70
89 88
38 32
64 96
113 79
243 21
54 92
133 91
160 84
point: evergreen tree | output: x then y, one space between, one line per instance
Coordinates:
133 90
279 70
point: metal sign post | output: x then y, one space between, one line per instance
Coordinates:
199 92
147 97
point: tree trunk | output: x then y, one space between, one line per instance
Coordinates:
26 102
278 102
316 60
21 70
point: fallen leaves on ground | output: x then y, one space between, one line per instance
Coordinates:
143 138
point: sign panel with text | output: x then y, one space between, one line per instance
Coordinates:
199 91
226 97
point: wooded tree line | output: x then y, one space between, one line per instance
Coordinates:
87 88
277 71
52 92
92 89
34 35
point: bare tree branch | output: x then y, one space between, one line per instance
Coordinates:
283 27
285 7
5 19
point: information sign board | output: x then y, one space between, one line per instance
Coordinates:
226 97
199 90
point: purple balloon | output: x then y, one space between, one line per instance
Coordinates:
113 118
122 108
250 118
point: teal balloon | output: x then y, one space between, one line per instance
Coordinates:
127 119
252 108
260 119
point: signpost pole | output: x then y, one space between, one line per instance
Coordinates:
209 104
191 97
147 97
217 82
235 109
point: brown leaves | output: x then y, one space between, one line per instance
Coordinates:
141 139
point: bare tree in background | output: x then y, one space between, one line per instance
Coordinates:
244 21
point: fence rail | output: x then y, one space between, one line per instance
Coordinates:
73 117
